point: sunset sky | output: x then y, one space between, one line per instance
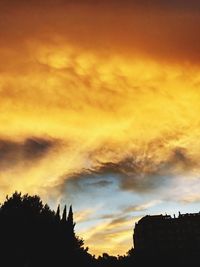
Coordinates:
100 108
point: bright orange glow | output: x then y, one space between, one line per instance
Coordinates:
100 91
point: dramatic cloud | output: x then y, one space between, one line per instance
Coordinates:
136 173
99 104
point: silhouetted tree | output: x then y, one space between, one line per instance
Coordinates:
70 218
34 235
64 216
58 213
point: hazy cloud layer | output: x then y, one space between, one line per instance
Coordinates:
164 29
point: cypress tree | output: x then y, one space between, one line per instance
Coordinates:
70 219
64 216
58 213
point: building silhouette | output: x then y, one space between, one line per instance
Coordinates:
161 233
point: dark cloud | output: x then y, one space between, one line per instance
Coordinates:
146 174
36 148
133 174
29 150
101 183
87 180
180 156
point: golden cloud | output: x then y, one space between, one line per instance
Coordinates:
88 87
102 110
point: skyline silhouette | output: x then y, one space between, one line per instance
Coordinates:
34 235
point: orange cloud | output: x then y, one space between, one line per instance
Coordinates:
153 29
117 85
103 111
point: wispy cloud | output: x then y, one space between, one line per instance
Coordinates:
113 235
141 207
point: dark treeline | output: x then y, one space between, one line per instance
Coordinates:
32 235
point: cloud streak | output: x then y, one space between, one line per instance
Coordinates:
27 151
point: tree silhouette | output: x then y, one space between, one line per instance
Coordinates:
70 219
34 235
58 213
64 216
